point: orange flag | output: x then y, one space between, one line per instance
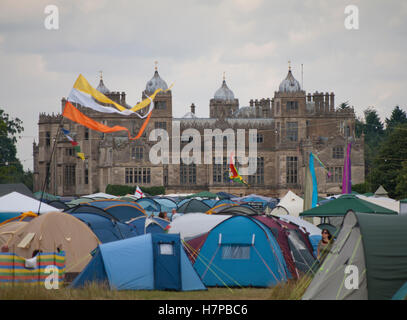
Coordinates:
75 115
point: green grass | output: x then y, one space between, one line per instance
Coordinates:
290 290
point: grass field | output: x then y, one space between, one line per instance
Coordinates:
290 290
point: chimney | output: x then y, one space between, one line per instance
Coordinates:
193 108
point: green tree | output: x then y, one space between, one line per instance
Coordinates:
11 170
387 164
373 130
398 116
401 187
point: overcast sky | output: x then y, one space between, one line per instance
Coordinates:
195 41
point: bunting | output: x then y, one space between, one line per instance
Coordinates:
75 144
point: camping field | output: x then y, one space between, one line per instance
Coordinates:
290 290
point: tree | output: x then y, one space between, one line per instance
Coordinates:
387 163
397 117
401 187
373 130
11 170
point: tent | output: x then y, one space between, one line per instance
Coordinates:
289 204
49 232
257 202
203 195
14 203
195 224
106 229
239 209
401 294
376 244
58 204
100 195
164 266
294 244
385 202
305 225
6 188
150 205
143 225
216 209
119 210
381 192
240 251
75 202
193 205
225 195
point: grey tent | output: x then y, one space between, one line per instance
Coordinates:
6 188
377 245
193 205
381 192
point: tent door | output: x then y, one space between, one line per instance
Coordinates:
167 264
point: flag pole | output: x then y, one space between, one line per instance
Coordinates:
47 168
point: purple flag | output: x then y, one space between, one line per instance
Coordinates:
347 179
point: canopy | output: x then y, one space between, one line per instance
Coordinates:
341 205
18 203
385 202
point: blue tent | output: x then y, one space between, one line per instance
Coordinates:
167 204
239 251
105 229
401 294
120 210
210 202
223 201
157 225
149 205
147 262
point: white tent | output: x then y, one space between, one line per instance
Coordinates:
194 224
383 202
309 227
17 202
289 204
100 195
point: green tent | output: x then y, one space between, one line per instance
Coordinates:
46 196
375 246
205 195
340 206
75 202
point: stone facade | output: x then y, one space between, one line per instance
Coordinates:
289 126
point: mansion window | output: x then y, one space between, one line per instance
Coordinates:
337 152
137 153
47 138
69 175
138 175
187 173
260 138
69 152
161 125
221 171
292 170
160 105
86 134
292 106
336 174
292 131
258 177
86 176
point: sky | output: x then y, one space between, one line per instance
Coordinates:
194 42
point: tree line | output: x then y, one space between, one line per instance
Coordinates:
385 151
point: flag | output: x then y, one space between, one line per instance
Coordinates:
75 144
347 177
138 192
85 95
311 185
234 174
